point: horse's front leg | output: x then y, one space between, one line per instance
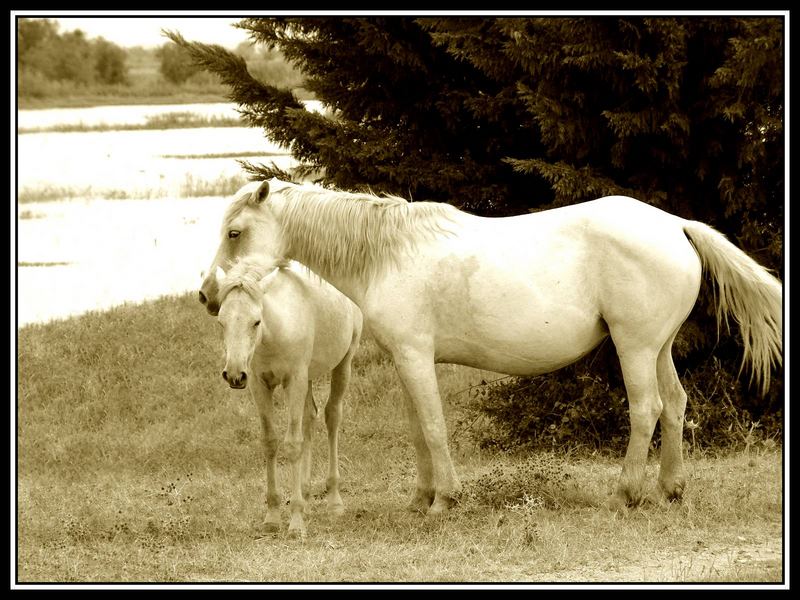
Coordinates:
426 420
309 415
294 443
262 396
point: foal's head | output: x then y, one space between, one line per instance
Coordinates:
240 315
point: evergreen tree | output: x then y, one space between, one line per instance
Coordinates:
403 118
508 115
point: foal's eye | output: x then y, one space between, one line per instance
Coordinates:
233 234
257 323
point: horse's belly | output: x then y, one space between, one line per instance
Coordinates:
531 349
519 319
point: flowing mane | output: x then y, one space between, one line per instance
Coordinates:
246 272
353 234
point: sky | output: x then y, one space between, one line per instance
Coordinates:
146 31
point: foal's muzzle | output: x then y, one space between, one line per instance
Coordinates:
238 382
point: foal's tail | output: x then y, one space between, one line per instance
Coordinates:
748 292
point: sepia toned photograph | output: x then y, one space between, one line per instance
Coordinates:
383 300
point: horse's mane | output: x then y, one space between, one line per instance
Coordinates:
246 272
353 234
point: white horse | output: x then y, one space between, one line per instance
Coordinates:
285 326
521 295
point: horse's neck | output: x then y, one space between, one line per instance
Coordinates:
271 316
350 286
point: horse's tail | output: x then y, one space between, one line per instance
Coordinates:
748 292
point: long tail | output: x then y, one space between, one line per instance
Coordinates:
746 291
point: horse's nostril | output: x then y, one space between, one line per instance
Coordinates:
203 298
225 375
243 377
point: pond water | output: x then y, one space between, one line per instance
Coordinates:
115 251
127 115
138 164
129 250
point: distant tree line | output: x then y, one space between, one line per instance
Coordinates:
502 116
44 52
50 62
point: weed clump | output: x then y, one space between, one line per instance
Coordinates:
538 481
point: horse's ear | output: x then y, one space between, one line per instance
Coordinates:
261 193
220 274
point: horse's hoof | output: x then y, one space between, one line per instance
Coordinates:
441 505
421 502
337 510
268 527
673 492
617 504
297 534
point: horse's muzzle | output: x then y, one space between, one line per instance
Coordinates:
211 307
238 382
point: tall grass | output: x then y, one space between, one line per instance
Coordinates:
172 120
137 463
192 186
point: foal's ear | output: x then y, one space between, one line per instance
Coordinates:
261 193
220 274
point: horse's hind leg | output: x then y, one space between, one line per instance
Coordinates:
644 405
672 476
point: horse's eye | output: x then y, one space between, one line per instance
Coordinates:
233 234
257 323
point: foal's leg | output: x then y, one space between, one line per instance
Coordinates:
340 377
308 429
418 375
672 476
644 405
262 396
296 394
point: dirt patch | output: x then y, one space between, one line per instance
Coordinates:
694 565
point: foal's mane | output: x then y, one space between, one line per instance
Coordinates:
246 272
353 234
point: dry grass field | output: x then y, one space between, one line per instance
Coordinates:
136 463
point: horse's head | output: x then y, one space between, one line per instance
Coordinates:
240 316
249 228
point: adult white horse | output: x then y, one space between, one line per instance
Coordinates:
285 326
521 295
